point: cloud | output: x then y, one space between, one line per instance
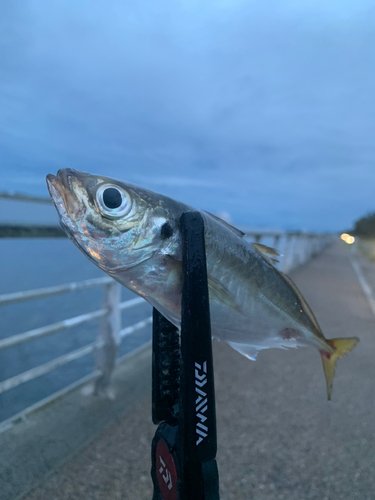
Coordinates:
180 182
262 104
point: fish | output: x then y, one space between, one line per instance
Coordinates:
132 234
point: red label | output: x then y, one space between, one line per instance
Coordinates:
165 471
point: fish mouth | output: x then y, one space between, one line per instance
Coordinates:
57 193
61 190
62 182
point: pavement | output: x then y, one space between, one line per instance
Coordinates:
278 437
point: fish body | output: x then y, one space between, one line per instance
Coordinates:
132 234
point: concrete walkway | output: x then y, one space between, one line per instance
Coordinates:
278 436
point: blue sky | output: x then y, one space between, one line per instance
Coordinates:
264 109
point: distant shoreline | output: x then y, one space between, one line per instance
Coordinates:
30 231
24 197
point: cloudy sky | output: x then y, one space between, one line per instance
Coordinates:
262 108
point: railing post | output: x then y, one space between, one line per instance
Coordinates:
310 242
276 239
322 243
109 339
314 246
297 251
288 249
304 249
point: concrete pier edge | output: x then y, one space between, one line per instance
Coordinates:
40 443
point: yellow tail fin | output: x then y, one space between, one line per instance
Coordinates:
341 347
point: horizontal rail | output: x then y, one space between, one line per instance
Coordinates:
41 293
131 303
38 333
250 234
37 371
13 382
8 423
135 327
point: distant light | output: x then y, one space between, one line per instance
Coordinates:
347 238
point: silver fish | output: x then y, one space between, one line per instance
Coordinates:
132 234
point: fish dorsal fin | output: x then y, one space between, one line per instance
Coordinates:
219 294
304 304
266 251
238 232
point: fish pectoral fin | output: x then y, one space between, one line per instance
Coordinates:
266 251
176 258
340 347
218 294
249 351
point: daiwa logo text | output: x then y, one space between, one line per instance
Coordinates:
201 401
165 474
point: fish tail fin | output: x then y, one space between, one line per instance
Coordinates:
340 347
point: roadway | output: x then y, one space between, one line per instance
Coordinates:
278 437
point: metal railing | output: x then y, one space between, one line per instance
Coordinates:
295 248
105 347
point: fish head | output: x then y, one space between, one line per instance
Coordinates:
117 225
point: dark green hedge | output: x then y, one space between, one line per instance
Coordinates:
365 226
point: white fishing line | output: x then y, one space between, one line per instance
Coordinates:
365 286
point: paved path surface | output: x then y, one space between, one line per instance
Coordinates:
278 436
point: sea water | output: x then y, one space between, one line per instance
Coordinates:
27 264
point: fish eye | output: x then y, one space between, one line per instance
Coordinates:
112 198
113 201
